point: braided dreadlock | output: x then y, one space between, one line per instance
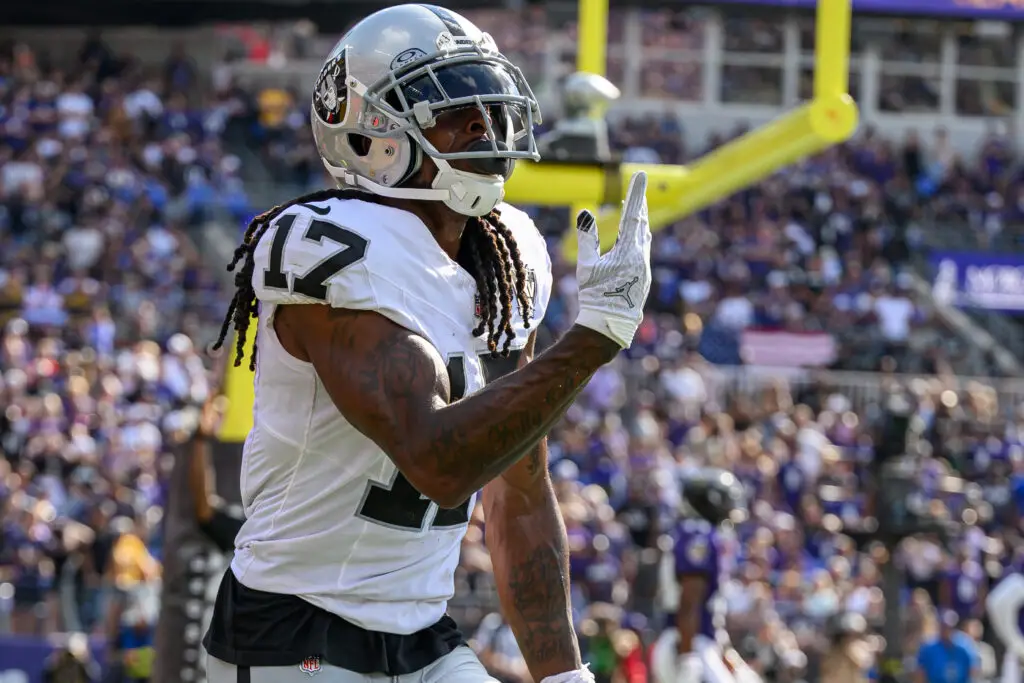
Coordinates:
488 251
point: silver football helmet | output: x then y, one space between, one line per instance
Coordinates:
387 80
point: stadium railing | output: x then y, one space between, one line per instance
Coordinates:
861 388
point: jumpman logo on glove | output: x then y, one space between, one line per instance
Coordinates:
623 291
623 272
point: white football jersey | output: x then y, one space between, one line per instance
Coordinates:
328 516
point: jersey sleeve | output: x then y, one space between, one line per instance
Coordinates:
309 256
345 254
695 551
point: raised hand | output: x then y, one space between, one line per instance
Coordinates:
614 286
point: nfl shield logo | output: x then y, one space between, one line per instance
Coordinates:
530 286
310 665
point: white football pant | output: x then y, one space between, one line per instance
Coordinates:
458 666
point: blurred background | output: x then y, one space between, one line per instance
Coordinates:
137 140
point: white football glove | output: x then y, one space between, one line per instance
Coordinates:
614 286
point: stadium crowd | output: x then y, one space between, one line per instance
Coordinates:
105 305
106 169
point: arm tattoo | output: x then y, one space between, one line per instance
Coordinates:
478 438
531 567
398 395
538 584
530 555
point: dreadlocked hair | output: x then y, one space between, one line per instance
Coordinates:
488 251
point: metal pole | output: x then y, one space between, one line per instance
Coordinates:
891 666
592 37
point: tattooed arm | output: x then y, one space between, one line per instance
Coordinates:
393 387
529 551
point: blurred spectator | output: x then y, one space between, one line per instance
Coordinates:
498 650
987 667
851 656
950 658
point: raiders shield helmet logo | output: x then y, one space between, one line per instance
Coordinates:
328 95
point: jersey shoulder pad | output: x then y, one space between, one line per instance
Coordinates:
348 253
314 253
533 250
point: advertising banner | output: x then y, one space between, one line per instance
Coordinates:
23 658
1008 10
781 349
993 281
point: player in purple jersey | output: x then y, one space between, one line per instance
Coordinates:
689 650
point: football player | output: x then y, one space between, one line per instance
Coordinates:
1005 605
689 650
395 376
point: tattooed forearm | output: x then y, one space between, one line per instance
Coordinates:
478 438
531 568
538 602
392 385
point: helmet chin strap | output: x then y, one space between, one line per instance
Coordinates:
469 194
